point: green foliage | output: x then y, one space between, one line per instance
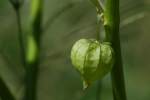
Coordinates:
71 24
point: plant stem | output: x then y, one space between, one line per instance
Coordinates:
16 4
111 24
99 10
98 31
99 13
99 88
20 35
33 50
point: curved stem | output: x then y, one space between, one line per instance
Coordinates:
20 34
17 6
55 16
111 24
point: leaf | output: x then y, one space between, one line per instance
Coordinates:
8 80
5 93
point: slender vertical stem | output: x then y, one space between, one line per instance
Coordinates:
98 29
17 4
99 10
99 83
99 88
111 24
20 35
33 50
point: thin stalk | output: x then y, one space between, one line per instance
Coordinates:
20 35
98 31
99 10
33 50
17 6
111 24
99 88
99 83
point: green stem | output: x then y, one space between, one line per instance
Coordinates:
98 29
99 17
111 24
99 88
99 9
99 83
17 6
33 50
21 39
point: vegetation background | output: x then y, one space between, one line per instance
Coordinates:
66 21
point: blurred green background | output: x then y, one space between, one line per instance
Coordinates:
66 21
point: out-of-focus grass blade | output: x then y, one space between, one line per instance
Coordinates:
132 19
5 93
5 84
56 16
